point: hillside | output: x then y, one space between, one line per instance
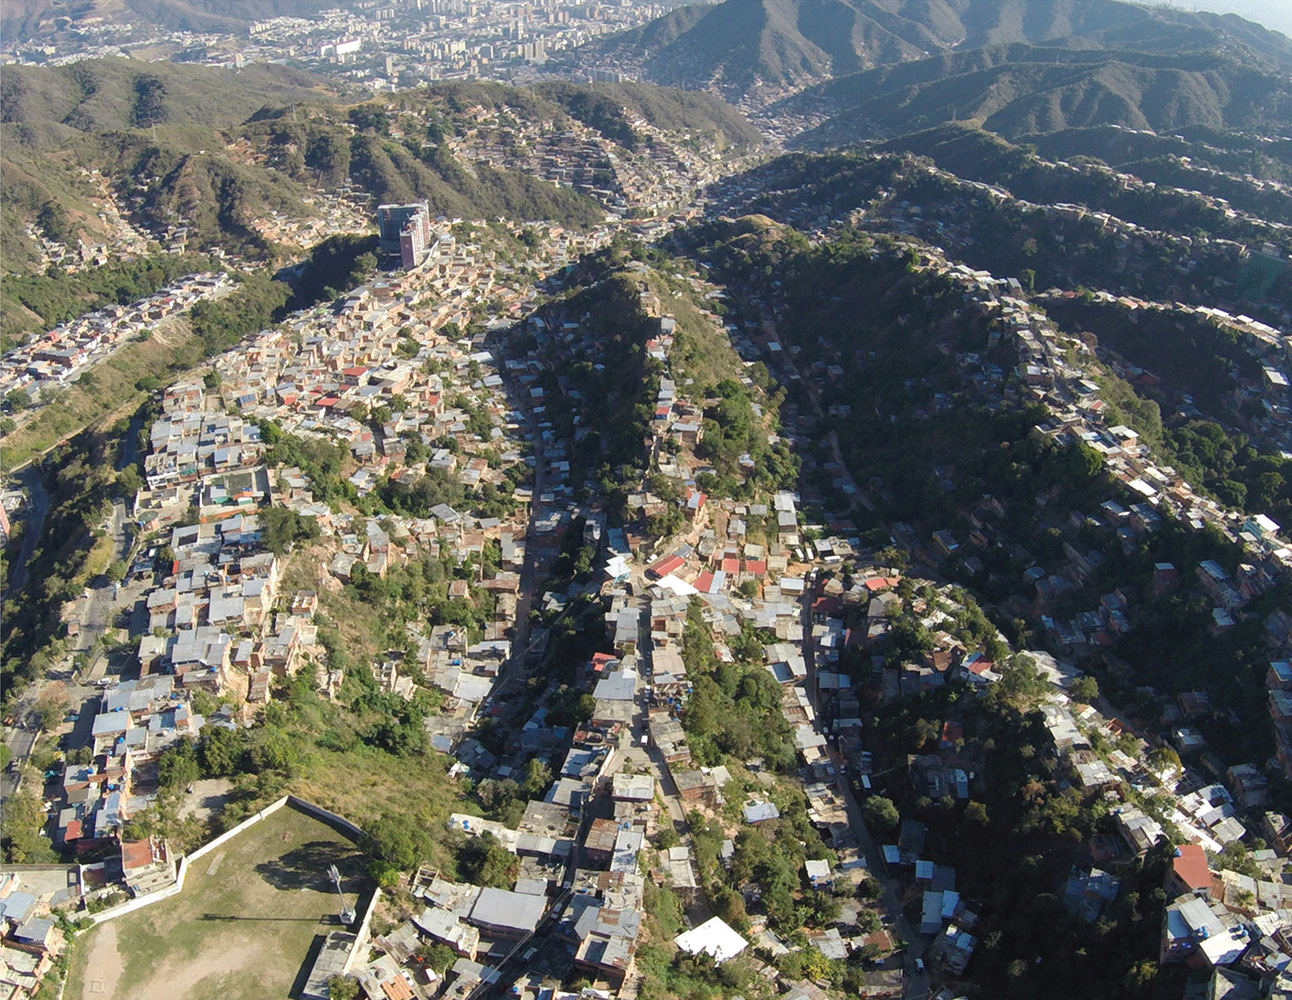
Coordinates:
102 94
1020 89
213 151
739 47
22 20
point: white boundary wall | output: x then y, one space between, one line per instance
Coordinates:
330 818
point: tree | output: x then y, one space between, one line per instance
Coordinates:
129 482
51 703
880 815
1161 759
729 905
117 570
384 874
484 861
342 988
221 751
537 777
1084 690
437 956
177 766
282 528
20 830
399 840
211 380
17 400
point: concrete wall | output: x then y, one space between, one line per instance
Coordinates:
362 933
338 823
42 868
228 835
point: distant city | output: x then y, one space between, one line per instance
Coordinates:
380 46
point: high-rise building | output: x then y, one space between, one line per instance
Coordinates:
405 230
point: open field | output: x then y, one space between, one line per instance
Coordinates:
243 928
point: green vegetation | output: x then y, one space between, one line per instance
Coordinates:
254 306
33 304
735 708
393 173
117 386
72 550
335 266
22 838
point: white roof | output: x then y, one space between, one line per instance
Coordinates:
713 937
676 585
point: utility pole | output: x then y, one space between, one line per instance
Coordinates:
347 914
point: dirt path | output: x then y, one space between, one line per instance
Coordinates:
103 968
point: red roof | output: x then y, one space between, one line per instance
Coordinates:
355 371
882 582
73 831
952 731
756 567
1190 866
731 566
704 582
136 854
599 660
666 566
327 401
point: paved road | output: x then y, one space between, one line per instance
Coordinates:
97 614
130 444
917 983
37 508
529 570
20 743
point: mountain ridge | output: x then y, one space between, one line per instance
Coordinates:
740 47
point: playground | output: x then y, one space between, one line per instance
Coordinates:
246 926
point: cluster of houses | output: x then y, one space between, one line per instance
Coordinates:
1233 924
1078 416
30 938
133 723
660 178
123 240
1260 402
61 355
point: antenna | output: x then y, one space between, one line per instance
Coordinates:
347 914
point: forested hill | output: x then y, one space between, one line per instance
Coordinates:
740 46
1020 89
103 94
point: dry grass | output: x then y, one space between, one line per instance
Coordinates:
244 932
171 345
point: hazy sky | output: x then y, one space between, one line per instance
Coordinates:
1276 14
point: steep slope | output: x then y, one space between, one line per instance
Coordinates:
1019 89
100 94
740 46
